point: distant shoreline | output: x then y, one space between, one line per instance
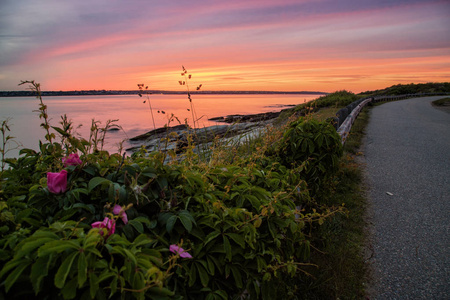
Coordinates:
136 92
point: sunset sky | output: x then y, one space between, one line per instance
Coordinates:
269 45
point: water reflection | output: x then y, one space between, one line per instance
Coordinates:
133 115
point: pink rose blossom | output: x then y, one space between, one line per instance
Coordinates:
72 160
57 182
117 210
179 250
107 223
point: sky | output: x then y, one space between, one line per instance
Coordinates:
258 45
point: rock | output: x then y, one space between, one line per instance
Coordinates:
177 137
247 118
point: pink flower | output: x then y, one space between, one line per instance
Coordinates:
179 250
117 210
107 223
57 182
72 160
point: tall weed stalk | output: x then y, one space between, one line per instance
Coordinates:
147 93
185 82
36 87
6 140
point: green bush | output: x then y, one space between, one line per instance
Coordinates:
239 223
315 146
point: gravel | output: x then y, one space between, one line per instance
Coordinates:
407 157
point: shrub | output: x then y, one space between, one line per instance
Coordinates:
315 146
239 222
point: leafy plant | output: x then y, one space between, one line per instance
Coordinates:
314 145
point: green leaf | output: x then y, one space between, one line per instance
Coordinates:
32 222
64 269
91 170
222 294
141 240
186 221
138 281
143 220
171 223
61 131
204 277
192 275
113 286
38 271
304 145
125 253
11 279
96 181
239 239
89 207
105 275
211 236
311 146
92 240
82 269
137 225
261 263
32 243
70 289
160 291
237 276
93 282
163 217
56 247
11 264
227 248
149 174
128 231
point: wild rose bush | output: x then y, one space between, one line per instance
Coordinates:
100 225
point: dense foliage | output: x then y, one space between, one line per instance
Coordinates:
402 89
338 99
316 146
78 222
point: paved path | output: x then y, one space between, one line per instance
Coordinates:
407 153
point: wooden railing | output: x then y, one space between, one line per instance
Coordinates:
346 116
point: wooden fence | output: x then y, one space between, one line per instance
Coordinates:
346 116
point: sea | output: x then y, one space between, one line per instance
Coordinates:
132 113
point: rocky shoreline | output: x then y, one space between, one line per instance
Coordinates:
236 128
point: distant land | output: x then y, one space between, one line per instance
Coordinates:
136 92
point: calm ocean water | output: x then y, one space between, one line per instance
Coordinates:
134 116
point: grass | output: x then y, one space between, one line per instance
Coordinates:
442 102
325 113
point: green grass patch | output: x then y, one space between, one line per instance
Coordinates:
336 99
325 113
442 102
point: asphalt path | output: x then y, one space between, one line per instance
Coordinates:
407 156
